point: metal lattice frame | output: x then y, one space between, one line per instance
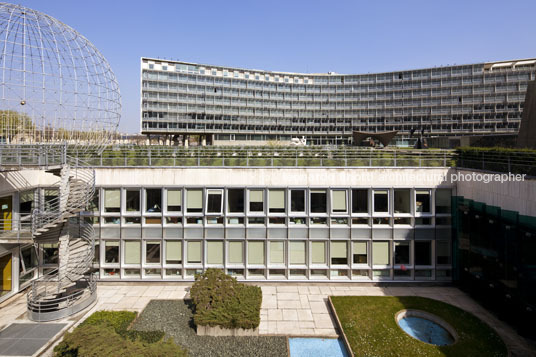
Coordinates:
55 86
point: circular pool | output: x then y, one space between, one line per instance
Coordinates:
426 327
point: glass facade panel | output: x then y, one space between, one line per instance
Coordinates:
133 200
132 252
339 253
402 201
277 252
236 252
111 252
276 199
235 199
423 253
381 201
153 200
360 201
194 252
360 253
297 253
194 200
215 252
256 253
297 200
380 253
401 252
318 201
173 252
152 252
422 201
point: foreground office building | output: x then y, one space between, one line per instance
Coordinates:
225 104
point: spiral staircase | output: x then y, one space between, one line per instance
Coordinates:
70 287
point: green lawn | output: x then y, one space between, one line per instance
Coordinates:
369 324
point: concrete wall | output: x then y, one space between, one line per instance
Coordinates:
305 177
509 195
12 181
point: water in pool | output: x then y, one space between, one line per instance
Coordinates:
426 331
312 347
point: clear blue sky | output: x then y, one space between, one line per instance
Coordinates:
297 36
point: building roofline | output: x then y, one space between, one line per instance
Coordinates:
485 64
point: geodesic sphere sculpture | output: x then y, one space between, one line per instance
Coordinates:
55 86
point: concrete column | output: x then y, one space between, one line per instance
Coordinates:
203 140
63 255
186 141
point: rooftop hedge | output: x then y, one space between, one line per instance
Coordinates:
220 300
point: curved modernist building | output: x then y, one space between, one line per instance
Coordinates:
224 103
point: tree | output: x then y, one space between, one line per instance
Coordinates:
13 123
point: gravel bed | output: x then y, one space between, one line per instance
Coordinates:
174 317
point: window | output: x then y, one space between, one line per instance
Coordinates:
380 253
26 200
402 201
256 200
276 200
338 253
194 253
442 200
215 252
277 253
133 200
297 200
50 253
236 252
28 258
112 200
318 253
297 253
402 252
173 252
360 253
152 252
318 201
381 201
154 200
174 200
338 201
235 200
94 203
443 252
422 201
360 201
423 253
256 253
132 252
111 251
194 201
214 201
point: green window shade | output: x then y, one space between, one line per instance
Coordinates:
277 252
338 201
132 252
109 243
277 199
215 252
338 249
194 252
255 196
422 192
112 198
380 253
360 248
195 199
297 253
256 253
236 250
318 253
174 198
173 251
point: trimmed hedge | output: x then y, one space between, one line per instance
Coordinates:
220 300
106 333
516 161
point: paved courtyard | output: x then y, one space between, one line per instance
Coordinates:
287 309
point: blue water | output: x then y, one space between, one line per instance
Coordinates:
312 347
426 331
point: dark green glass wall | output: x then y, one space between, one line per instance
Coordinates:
495 259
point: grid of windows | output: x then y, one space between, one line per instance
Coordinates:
462 100
273 233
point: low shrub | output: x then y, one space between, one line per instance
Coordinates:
220 300
106 333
